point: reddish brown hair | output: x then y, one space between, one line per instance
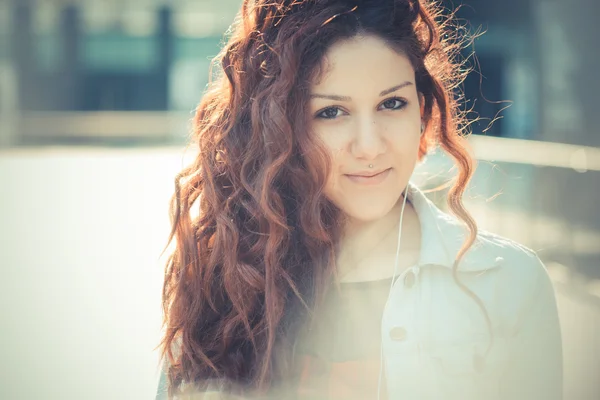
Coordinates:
255 262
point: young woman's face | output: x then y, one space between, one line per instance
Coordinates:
365 109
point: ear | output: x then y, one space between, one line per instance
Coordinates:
424 143
421 104
422 111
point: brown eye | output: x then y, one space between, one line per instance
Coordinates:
328 113
394 103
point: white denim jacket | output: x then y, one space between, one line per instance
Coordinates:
435 337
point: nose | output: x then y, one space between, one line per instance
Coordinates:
368 141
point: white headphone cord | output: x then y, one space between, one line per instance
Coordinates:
390 291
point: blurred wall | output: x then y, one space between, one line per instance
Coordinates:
568 57
534 67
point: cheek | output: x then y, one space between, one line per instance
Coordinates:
334 142
332 184
334 147
404 147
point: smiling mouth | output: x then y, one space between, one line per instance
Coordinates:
369 176
376 179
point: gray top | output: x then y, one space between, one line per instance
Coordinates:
344 348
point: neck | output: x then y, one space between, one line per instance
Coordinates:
361 240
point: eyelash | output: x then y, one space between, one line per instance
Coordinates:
403 104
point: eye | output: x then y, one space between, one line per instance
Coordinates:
329 113
394 103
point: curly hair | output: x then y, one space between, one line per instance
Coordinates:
252 267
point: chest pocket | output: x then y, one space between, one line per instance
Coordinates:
468 356
458 333
461 368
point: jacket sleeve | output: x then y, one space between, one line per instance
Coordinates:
162 390
535 369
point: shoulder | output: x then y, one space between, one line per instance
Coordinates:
520 273
513 258
488 251
510 255
505 246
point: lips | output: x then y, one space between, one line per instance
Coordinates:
369 180
368 174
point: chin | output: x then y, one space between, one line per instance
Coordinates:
369 211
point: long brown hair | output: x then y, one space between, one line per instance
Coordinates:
253 265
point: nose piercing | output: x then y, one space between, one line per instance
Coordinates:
370 165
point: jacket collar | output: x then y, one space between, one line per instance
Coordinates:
443 235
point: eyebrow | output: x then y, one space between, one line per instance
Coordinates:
347 98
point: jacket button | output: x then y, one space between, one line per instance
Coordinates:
398 334
409 280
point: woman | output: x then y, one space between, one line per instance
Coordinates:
314 268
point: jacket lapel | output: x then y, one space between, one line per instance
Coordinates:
443 235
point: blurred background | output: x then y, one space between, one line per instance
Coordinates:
95 103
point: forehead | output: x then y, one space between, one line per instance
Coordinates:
362 60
